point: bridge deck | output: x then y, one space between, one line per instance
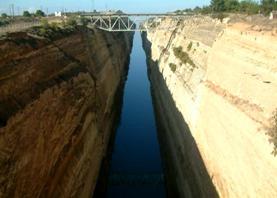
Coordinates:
117 22
136 14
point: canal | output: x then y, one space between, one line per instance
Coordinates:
136 167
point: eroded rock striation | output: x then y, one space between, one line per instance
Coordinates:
58 104
215 89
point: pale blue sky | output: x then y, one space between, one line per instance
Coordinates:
125 5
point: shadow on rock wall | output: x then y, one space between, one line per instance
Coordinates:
185 171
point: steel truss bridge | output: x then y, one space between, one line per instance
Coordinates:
132 22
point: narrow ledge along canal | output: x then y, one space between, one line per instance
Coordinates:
136 167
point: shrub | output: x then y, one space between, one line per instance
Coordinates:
84 21
183 56
172 67
219 16
189 46
46 29
4 22
273 133
39 13
42 32
54 26
26 14
71 22
44 23
4 15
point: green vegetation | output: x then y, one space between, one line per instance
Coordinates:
71 22
243 6
268 5
4 20
53 30
183 56
84 21
232 5
189 46
44 23
273 133
27 14
4 15
3 23
54 26
218 5
48 30
45 27
219 15
249 7
172 67
39 13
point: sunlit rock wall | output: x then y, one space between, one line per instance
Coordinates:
214 103
58 104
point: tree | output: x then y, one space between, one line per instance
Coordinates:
268 6
40 13
197 9
187 10
218 5
232 5
26 14
206 10
249 6
4 15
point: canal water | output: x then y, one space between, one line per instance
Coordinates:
136 168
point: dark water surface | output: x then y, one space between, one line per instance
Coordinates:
136 169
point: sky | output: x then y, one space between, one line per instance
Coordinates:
128 6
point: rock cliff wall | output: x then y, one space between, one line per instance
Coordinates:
58 104
215 89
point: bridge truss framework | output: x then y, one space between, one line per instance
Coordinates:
132 22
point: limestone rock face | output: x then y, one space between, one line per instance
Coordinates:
57 110
215 108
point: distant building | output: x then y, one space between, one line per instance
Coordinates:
58 14
273 15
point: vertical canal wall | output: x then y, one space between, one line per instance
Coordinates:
58 102
215 90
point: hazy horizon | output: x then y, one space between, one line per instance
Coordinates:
88 5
